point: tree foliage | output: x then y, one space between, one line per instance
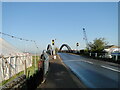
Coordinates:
98 45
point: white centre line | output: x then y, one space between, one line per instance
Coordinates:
72 61
110 68
89 62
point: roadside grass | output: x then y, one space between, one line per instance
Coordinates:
33 61
30 71
12 78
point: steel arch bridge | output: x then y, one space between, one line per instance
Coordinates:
49 49
65 45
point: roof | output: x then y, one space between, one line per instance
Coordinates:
111 46
7 49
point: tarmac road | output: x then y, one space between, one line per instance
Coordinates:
60 77
93 73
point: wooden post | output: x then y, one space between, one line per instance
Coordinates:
9 67
15 64
90 54
116 57
25 68
95 54
35 61
3 78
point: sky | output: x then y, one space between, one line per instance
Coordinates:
63 21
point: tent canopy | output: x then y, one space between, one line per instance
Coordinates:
6 49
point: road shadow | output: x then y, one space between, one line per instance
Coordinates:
58 77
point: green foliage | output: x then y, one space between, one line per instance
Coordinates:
10 79
98 45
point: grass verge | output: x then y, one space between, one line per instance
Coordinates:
30 71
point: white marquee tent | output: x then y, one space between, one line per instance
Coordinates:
7 49
12 60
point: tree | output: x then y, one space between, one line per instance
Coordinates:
98 45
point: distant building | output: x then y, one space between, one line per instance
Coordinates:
112 49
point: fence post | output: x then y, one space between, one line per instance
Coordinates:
90 54
25 69
105 55
95 54
9 67
31 58
2 66
15 64
25 66
116 57
35 63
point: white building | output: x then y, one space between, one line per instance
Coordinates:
112 50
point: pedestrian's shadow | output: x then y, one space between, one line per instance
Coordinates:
58 77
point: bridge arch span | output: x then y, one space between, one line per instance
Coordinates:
65 45
49 49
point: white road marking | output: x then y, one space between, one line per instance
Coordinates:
88 62
79 61
110 68
72 60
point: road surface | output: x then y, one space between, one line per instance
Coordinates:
93 73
